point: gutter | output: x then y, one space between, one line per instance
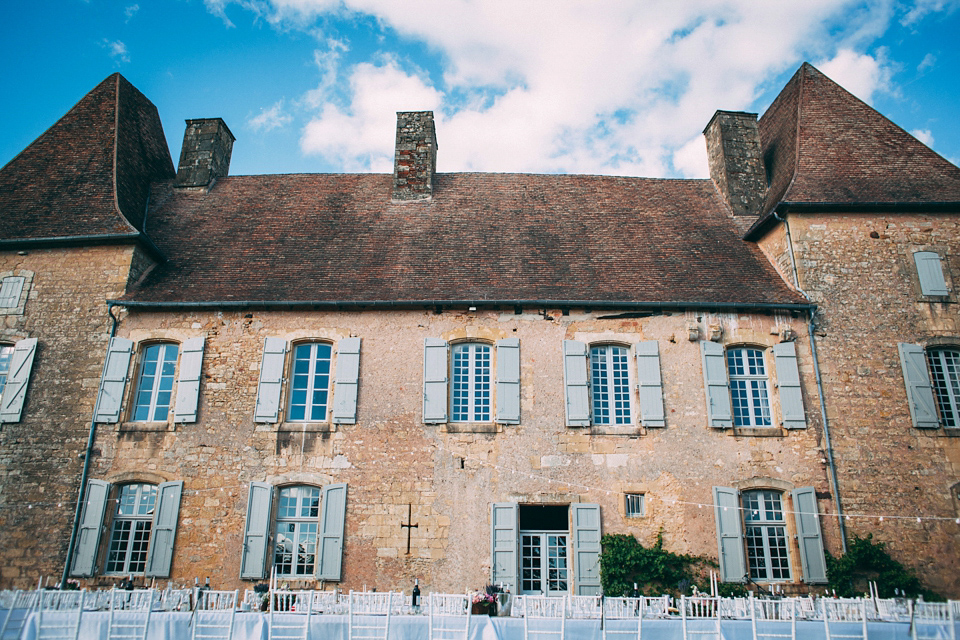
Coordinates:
82 240
835 488
85 474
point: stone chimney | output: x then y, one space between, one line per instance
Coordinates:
205 155
415 158
736 163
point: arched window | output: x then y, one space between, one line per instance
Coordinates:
747 375
310 391
766 535
154 394
945 373
470 398
610 384
132 526
295 550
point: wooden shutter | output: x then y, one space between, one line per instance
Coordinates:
188 382
930 273
923 409
164 529
271 380
715 383
347 381
10 290
650 384
586 549
332 517
88 534
15 391
788 384
808 535
110 396
508 381
726 503
575 383
505 544
256 531
434 381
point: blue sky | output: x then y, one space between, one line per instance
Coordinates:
600 86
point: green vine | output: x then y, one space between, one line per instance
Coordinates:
867 561
624 561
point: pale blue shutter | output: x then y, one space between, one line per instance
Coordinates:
164 529
434 380
332 518
923 410
271 380
15 391
586 549
808 534
715 384
930 272
508 381
347 381
256 531
726 503
575 383
10 290
110 396
504 544
88 533
788 384
188 382
650 384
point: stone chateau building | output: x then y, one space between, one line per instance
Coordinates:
463 378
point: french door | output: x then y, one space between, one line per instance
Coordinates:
544 568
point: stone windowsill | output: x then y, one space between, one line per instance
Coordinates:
617 430
471 427
759 432
136 427
309 427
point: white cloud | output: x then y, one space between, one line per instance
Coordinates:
116 49
922 8
131 11
924 136
272 118
859 73
927 63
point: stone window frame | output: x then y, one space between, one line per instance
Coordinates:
289 382
636 508
155 389
473 380
129 423
20 308
764 526
785 489
945 264
117 519
765 378
276 520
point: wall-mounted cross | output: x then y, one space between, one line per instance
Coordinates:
409 526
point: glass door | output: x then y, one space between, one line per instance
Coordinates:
543 561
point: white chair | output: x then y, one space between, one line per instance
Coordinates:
805 607
890 610
932 621
735 608
700 616
214 614
326 602
584 607
19 606
772 619
369 615
130 614
655 607
449 616
544 617
622 617
59 614
290 613
844 618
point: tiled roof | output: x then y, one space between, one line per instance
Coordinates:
90 173
482 237
821 144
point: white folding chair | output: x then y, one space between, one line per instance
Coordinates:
21 605
932 621
890 609
735 608
129 614
369 615
544 617
622 617
655 607
772 619
449 616
700 616
59 614
290 613
844 618
584 607
214 614
326 602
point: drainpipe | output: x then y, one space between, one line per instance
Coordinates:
820 396
86 463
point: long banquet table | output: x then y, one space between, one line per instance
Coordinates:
255 626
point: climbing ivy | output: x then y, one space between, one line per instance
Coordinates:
868 561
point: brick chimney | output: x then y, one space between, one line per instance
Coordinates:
415 158
205 154
736 163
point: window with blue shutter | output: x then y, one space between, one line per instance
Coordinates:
434 381
88 533
347 381
788 385
650 384
930 273
715 384
165 519
809 536
508 381
256 531
114 380
10 289
505 528
913 362
332 520
271 380
575 383
726 502
188 381
15 365
586 548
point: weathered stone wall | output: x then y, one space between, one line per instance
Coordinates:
447 476
39 456
860 270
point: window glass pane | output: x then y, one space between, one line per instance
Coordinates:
310 387
296 539
765 535
945 375
6 355
610 385
747 376
634 504
155 383
470 389
132 526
